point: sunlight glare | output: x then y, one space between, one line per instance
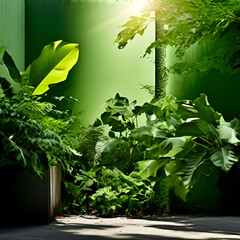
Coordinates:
139 5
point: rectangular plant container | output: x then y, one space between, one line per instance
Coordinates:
26 199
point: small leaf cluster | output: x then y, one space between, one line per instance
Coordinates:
121 193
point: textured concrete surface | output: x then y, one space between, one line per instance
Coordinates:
163 228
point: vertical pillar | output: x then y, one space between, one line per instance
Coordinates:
160 62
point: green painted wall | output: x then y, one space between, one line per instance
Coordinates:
222 89
12 30
102 69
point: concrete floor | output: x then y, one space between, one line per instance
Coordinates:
162 228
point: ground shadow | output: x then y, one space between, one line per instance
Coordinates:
224 225
63 230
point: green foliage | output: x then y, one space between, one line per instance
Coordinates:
107 178
51 67
187 22
32 133
130 168
119 193
179 135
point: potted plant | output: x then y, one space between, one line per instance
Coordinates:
33 136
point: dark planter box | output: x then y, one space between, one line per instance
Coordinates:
25 199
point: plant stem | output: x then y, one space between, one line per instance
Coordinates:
218 140
200 144
160 62
205 140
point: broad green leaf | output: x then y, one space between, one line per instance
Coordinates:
229 131
225 157
117 125
141 133
173 152
169 104
52 66
205 111
106 117
189 129
147 131
97 123
190 166
186 109
147 108
108 144
207 129
150 167
11 66
174 183
120 106
235 124
167 148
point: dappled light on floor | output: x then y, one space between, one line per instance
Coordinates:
158 228
161 228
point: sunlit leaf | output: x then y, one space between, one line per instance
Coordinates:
52 66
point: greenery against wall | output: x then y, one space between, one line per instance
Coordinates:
30 129
187 22
122 170
100 63
133 166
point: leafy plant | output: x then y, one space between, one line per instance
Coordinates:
179 135
31 136
187 22
118 193
167 152
107 178
32 132
197 134
51 67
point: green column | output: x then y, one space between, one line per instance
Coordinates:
160 63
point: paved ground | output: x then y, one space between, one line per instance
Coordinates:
163 228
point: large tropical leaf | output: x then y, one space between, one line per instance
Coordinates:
150 167
235 125
52 66
189 168
167 148
225 157
174 183
189 129
144 132
229 131
205 111
208 129
106 145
